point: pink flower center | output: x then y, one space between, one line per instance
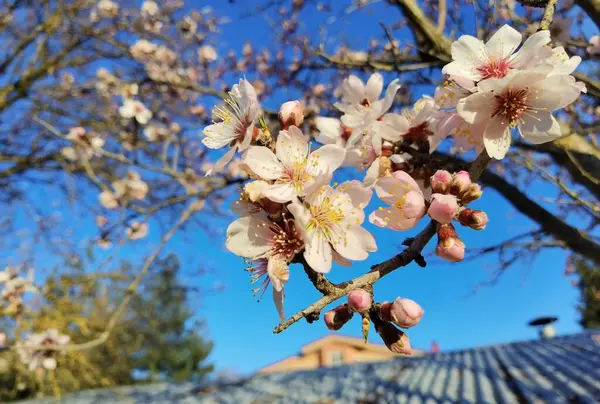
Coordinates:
511 104
494 69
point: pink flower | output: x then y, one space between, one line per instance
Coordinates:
407 204
404 312
440 181
359 300
460 183
449 246
291 114
443 208
336 318
475 219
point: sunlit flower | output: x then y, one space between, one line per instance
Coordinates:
237 124
296 172
150 8
523 100
406 200
594 46
158 133
475 60
135 109
131 187
207 53
84 144
107 8
35 352
330 220
137 231
332 131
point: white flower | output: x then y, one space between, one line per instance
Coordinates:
561 63
158 133
207 53
150 8
84 144
135 109
294 170
414 125
330 221
32 351
270 245
137 231
474 60
108 8
332 131
131 187
237 123
594 46
523 100
353 91
8 274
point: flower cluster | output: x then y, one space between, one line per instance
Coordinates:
14 287
291 212
40 350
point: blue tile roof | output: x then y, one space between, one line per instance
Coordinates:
559 370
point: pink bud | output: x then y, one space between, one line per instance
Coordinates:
471 194
405 313
394 339
336 318
449 246
443 208
291 114
359 300
475 219
460 183
440 181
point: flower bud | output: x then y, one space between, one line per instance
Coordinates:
471 194
336 318
475 219
460 183
440 181
359 300
291 113
394 339
449 246
403 312
443 208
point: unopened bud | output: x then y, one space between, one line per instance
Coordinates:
359 300
449 246
443 208
394 339
403 312
336 318
460 183
291 114
254 190
471 194
475 219
440 181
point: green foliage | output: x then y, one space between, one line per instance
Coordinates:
589 285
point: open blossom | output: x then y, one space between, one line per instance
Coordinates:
107 8
413 125
296 172
137 231
407 204
84 144
523 100
361 104
158 133
270 245
330 221
475 60
207 53
150 8
32 351
131 187
332 131
135 109
237 123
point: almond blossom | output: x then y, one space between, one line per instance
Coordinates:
294 170
406 200
135 109
330 221
270 245
237 124
131 187
85 144
32 351
475 60
523 100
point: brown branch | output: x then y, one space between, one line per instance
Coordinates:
592 9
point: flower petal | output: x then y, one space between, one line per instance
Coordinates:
291 148
530 49
329 130
318 252
278 297
355 244
497 138
249 237
374 87
477 108
280 192
263 162
541 128
326 159
504 42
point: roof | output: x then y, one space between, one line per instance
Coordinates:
341 340
557 370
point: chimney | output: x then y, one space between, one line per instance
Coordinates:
545 326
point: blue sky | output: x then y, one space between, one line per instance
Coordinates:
454 315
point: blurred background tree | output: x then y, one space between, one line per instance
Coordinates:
589 285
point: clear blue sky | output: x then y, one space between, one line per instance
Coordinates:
242 329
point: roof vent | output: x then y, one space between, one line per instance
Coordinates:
545 326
